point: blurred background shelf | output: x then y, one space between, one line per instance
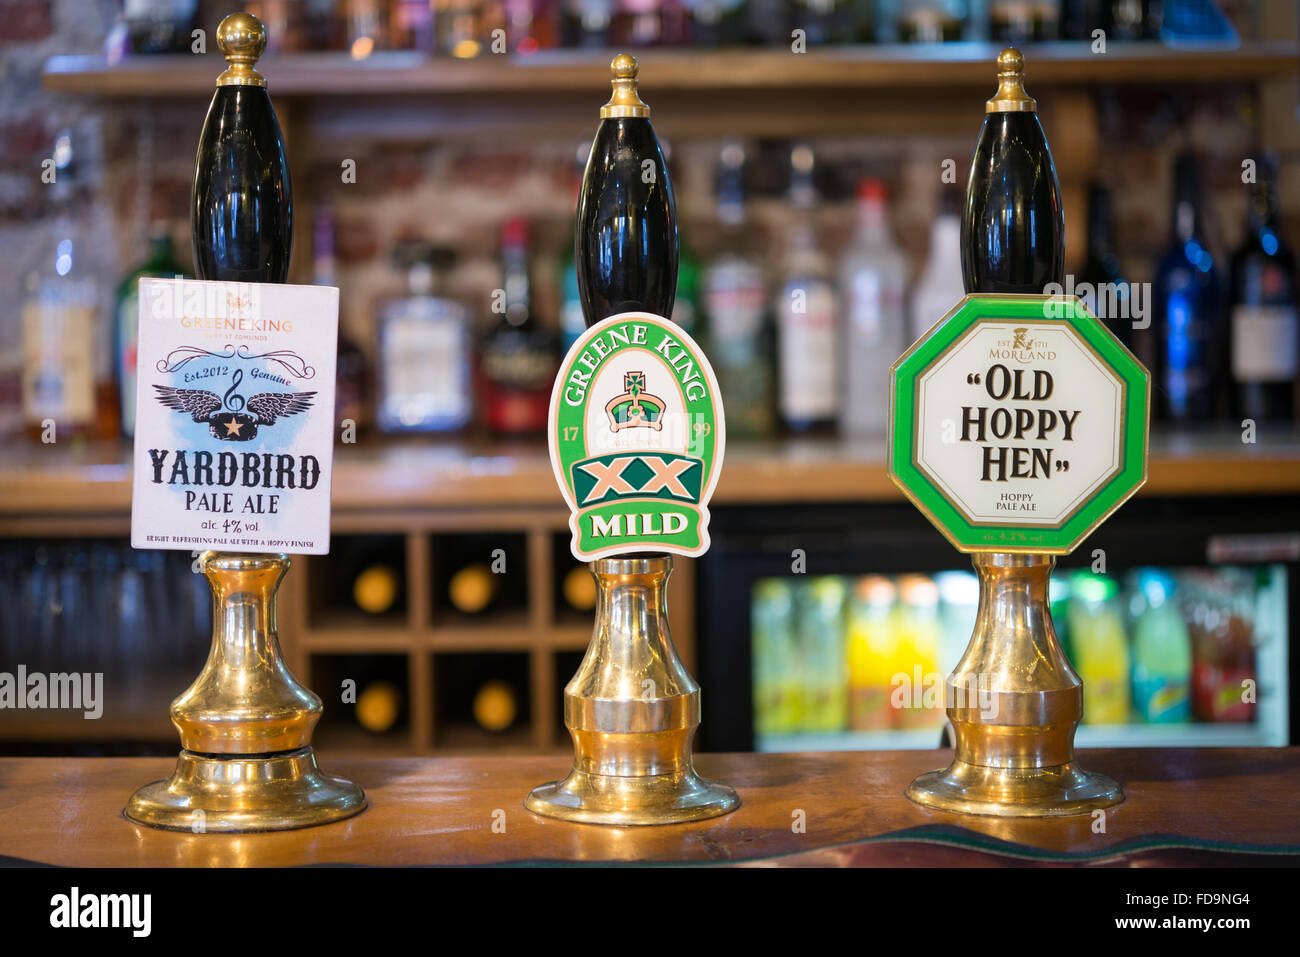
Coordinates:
865 68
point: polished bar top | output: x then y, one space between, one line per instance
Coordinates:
1189 806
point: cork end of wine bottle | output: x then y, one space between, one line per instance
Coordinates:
626 100
241 37
1011 96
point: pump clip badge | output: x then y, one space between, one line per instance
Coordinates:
637 434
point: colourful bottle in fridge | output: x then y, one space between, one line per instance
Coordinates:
873 646
820 616
921 633
1099 648
1162 651
776 665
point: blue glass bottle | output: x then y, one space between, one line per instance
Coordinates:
1190 335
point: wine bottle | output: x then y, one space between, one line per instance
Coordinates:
472 589
871 289
161 262
1264 327
625 238
737 322
241 207
939 286
1188 310
579 588
1102 287
519 355
378 706
352 371
1012 231
376 588
495 706
423 348
808 386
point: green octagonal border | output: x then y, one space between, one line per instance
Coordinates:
1058 540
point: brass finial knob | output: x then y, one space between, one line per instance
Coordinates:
626 101
1011 96
241 37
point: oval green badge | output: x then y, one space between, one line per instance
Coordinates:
637 434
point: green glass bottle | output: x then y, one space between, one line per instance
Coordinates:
161 264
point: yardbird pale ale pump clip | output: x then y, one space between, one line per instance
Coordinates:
1018 424
233 453
636 434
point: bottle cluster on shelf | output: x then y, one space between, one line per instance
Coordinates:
1154 646
469 28
801 336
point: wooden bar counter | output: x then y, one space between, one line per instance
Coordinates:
1211 807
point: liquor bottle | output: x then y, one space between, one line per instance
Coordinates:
1104 290
625 239
637 23
366 26
1162 651
1188 311
518 358
1012 231
718 23
586 23
160 262
871 291
939 286
572 321
472 588
424 350
1264 326
411 25
931 21
241 222
1023 21
160 26
65 381
735 308
351 371
686 301
808 384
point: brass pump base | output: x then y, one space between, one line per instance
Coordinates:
241 794
1015 792
1014 702
632 711
245 723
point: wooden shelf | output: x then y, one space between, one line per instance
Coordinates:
392 487
686 70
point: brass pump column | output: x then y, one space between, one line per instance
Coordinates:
246 722
632 710
1014 702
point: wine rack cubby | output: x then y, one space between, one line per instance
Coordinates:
527 635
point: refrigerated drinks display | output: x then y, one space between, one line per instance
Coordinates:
1169 656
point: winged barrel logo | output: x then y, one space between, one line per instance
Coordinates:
233 424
